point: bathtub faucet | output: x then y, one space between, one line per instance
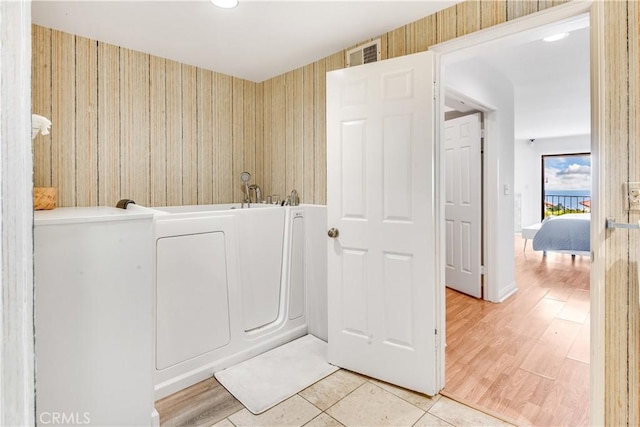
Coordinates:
257 192
245 177
246 199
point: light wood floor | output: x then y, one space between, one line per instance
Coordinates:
202 404
528 357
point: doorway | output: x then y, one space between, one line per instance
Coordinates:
501 227
463 170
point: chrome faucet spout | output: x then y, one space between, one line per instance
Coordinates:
247 196
257 191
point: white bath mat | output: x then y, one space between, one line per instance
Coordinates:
266 380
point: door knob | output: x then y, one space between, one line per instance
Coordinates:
333 233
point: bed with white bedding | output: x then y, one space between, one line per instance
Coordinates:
568 233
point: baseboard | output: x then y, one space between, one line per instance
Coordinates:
472 405
507 292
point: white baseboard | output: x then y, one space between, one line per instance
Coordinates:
507 292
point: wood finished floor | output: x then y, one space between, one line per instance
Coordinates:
528 357
202 404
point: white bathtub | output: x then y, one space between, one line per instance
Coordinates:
230 284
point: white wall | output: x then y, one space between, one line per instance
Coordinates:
528 175
316 271
487 86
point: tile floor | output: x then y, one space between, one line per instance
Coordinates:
348 399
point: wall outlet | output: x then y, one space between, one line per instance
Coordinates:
633 195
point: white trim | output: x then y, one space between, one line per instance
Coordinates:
17 370
507 292
568 11
490 201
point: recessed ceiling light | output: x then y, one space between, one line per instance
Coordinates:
226 4
556 37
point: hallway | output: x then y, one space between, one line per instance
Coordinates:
526 358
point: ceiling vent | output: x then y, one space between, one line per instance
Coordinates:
364 54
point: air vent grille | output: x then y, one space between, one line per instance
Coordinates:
364 54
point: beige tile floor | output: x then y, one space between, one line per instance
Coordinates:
348 399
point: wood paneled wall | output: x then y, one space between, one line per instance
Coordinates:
621 158
133 125
294 103
621 162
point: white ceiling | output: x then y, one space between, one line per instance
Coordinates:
551 85
261 39
551 80
256 40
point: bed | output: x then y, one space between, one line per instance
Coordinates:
568 233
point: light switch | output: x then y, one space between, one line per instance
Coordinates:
633 196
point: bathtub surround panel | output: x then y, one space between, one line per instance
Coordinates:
133 125
191 295
261 243
297 294
86 354
316 270
229 285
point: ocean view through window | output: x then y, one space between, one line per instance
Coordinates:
566 184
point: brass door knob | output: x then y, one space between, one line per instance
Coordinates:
333 233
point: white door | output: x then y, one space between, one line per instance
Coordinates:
463 204
380 198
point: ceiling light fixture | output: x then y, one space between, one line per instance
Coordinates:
556 37
225 4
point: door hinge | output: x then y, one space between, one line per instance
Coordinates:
482 270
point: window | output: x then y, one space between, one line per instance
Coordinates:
566 184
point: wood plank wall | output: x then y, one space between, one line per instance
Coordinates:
294 103
132 125
621 159
165 133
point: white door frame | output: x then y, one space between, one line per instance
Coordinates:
546 17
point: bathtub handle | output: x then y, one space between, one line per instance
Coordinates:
333 233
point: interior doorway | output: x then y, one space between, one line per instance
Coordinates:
495 354
463 199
